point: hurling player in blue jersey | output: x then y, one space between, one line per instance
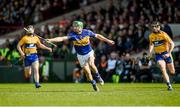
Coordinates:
81 40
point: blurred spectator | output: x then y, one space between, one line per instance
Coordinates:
119 41
177 63
111 65
1 58
166 28
77 73
128 45
134 69
144 74
44 69
127 65
4 51
36 15
63 52
102 66
118 70
13 56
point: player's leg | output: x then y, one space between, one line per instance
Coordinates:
87 72
83 60
27 72
162 65
35 66
94 69
27 69
170 65
171 68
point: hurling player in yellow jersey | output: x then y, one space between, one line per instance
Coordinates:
163 46
27 47
81 41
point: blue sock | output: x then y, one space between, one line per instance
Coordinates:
93 82
37 83
97 76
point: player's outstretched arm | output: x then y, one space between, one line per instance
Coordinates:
42 46
58 39
102 38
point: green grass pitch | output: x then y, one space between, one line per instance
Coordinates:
68 94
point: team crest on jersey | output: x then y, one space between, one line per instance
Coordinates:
158 43
32 45
82 42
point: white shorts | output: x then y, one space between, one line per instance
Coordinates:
83 59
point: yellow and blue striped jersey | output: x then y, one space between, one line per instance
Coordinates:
29 43
161 41
81 41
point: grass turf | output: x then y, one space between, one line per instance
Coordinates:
83 95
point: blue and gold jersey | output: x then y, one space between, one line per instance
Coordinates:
81 41
161 41
29 43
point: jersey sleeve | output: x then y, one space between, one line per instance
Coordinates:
91 34
22 41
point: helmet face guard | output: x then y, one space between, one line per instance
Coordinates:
30 29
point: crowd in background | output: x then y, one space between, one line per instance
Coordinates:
126 68
17 13
125 23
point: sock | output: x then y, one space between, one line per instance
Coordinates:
93 82
37 83
172 78
168 84
97 76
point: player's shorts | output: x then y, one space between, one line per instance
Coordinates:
29 59
160 56
83 59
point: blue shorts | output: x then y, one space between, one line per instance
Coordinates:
30 59
161 57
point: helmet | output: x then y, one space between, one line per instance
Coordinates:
30 29
78 24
